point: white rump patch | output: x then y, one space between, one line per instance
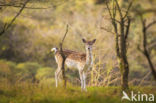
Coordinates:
54 49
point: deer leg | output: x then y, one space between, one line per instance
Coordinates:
81 79
59 75
84 81
57 72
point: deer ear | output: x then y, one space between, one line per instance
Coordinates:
94 41
84 41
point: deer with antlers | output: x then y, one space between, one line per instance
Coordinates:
81 61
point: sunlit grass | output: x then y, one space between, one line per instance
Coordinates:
35 93
16 86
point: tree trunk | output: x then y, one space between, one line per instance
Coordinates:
123 58
124 69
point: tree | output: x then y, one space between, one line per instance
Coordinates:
145 51
121 29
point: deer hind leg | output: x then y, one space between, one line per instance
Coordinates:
58 70
57 73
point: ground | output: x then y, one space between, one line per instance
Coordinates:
32 93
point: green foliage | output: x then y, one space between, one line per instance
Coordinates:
11 72
29 66
7 71
44 73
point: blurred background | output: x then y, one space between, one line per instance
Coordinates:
25 55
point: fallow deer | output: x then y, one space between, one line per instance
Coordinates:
81 61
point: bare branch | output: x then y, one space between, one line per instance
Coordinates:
7 26
107 30
130 5
127 28
112 18
115 27
19 6
109 10
64 36
145 50
115 20
119 9
63 57
141 12
138 47
149 73
114 10
150 24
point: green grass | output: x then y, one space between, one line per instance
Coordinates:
28 93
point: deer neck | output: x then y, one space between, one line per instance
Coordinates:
89 57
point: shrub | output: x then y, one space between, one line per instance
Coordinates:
45 73
7 71
27 71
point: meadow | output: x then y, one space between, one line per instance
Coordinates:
17 85
31 93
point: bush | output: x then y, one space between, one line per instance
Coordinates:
29 66
7 71
11 72
27 71
45 73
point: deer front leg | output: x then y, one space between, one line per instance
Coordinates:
81 78
84 81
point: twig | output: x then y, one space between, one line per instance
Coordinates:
144 78
107 30
64 35
19 6
150 24
109 10
119 9
138 12
115 27
130 5
127 28
145 50
138 47
115 20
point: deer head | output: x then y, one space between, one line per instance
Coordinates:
88 44
89 56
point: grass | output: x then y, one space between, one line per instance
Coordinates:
29 93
